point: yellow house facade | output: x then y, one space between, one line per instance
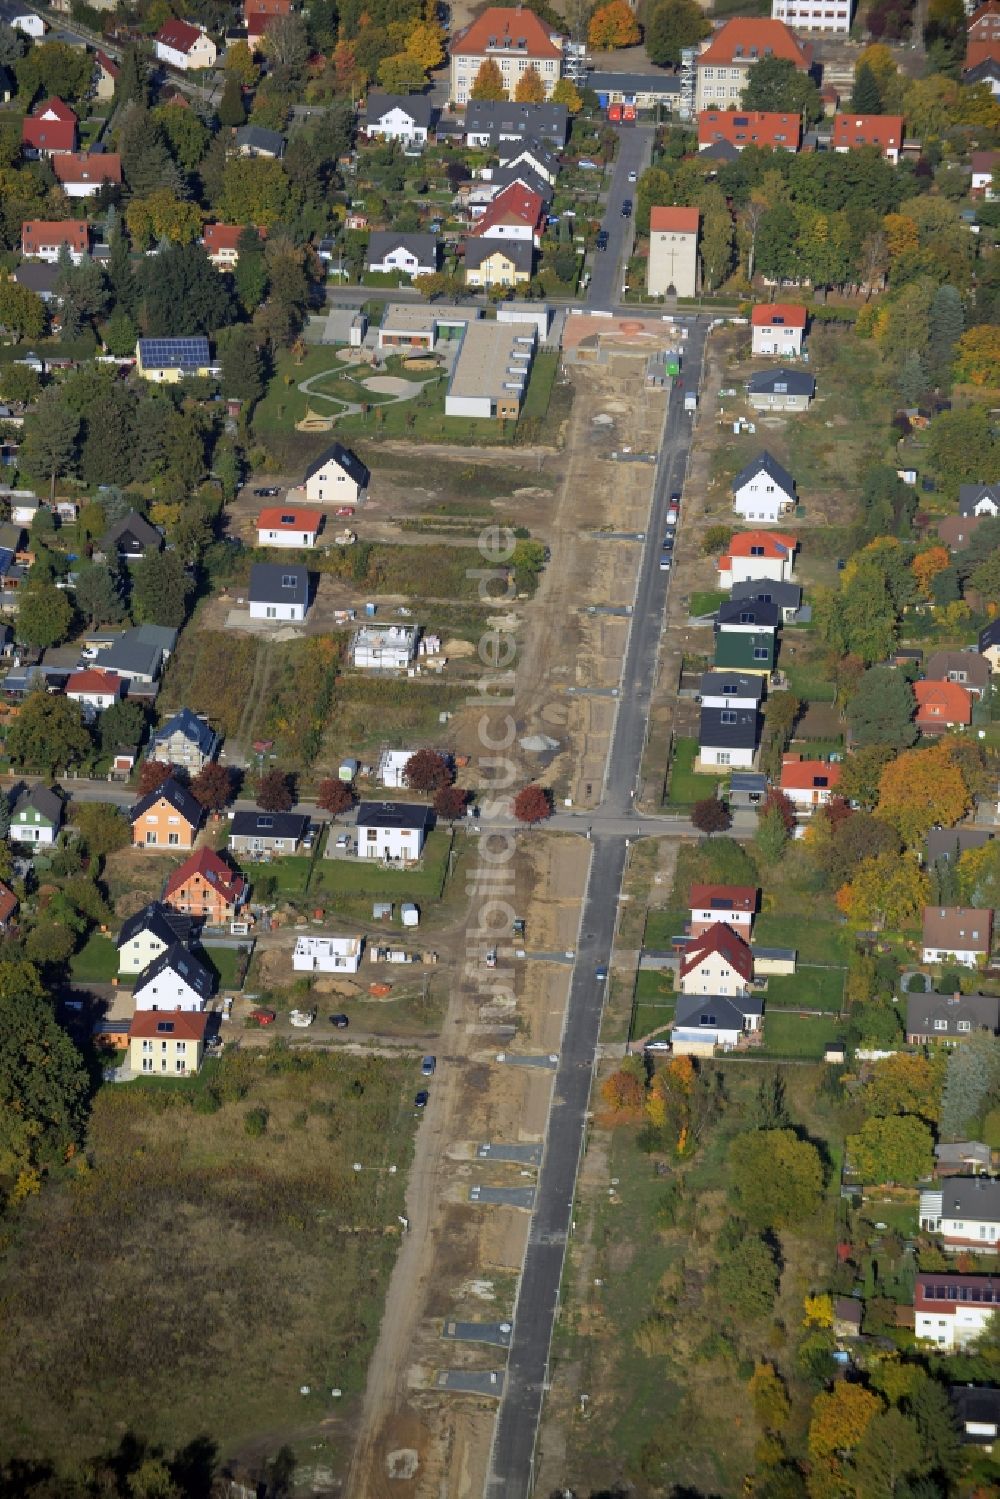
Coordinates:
166 1043
489 263
170 360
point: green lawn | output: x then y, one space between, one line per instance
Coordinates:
96 962
808 989
687 786
540 383
798 1035
367 878
224 963
706 601
808 682
654 1005
816 941
661 926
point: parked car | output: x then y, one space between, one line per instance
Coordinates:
602 239
633 176
263 1017
267 493
428 1066
672 516
340 1021
344 840
664 562
627 208
345 510
668 542
600 973
301 1018
420 1102
310 837
675 498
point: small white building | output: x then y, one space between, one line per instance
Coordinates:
20 18
763 491
778 328
336 478
831 16
965 1211
951 1311
279 591
328 954
412 254
393 831
174 981
391 766
398 117
384 647
283 526
185 46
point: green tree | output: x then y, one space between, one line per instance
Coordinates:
19 384
103 828
185 293
488 82
50 438
22 312
122 726
232 111
132 83
49 732
98 596
946 323
401 73
43 1088
775 83
866 97
242 366
54 68
110 448
186 134
160 589
960 446
147 164
44 615
672 25
978 874
889 1453
776 1179
256 190
120 334
971 1083
896 1148
770 838
746 1278
250 277
881 710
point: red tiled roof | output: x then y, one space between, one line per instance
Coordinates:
981 51
500 28
91 680
754 127
224 880
83 166
958 928
984 161
8 902
50 127
274 518
186 1025
803 775
56 108
947 1306
778 315
218 237
774 543
680 220
108 64
719 938
868 130
37 233
515 202
745 39
178 34
942 702
736 897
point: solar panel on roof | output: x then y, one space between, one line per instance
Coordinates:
174 353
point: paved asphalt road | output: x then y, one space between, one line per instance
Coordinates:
512 1468
607 275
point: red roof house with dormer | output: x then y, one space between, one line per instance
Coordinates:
50 128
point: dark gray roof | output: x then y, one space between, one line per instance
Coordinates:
165 636
990 635
547 122
711 1011
633 83
269 825
169 926
259 139
971 495
782 382
130 654
525 174
732 684
972 1197
770 466
41 799
977 1405
950 843
178 960
719 151
419 107
982 1011
394 815
768 591
279 583
729 728
423 246
35 274
178 797
748 612
510 152
750 781
982 72
132 526
194 729
520 252
953 666
344 458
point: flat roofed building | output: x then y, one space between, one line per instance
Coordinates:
491 371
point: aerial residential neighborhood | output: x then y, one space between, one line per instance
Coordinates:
500 803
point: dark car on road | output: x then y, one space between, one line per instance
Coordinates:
340 1021
268 493
602 239
420 1102
627 208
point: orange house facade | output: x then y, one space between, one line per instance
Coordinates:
206 888
166 819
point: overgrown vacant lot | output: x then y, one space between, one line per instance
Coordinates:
193 1275
212 672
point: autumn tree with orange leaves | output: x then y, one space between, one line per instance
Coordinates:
926 566
921 789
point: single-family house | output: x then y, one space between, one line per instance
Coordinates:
256 140
941 706
989 643
21 18
337 477
747 616
499 178
222 243
413 254
736 905
531 155
984 167
176 980
808 784
94 689
166 1045
516 40
763 490
672 268
82 174
968 669
778 328
491 262
137 655
962 1158
716 962
775 129
738 650
184 46
398 117
167 818
106 72
951 1311
206 889
170 360
950 1018
266 833
977 1413
965 1211
724 62
717 1019
37 816
728 738
514 214
949 844
148 934
884 132
731 689
957 934
45 239
495 123
394 831
979 499
986 69
49 129
781 390
384 647
8 907
258 15
787 597
285 526
131 537
956 531
41 277
187 740
279 591
752 555
327 954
